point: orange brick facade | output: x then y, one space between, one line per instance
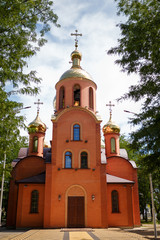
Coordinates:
74 183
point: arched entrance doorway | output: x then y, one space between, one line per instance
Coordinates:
76 207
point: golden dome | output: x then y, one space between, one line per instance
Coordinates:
37 125
111 127
76 54
75 72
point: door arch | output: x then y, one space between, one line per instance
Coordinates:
75 196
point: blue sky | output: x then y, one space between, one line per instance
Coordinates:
96 20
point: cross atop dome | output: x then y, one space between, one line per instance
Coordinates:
110 105
110 127
38 103
76 40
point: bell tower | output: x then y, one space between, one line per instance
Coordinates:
111 135
76 87
76 151
36 130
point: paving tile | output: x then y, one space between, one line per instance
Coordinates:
79 236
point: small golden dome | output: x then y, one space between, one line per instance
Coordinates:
76 54
37 125
76 71
111 127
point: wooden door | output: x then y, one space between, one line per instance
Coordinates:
75 212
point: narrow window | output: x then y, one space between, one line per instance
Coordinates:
76 95
61 97
113 145
84 160
76 132
34 201
35 144
68 160
90 98
115 203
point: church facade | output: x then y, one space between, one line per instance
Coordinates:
75 182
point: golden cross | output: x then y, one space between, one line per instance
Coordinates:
110 105
76 40
38 103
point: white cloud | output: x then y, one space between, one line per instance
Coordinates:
96 20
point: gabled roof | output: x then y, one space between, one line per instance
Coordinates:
23 153
40 178
123 153
103 156
114 179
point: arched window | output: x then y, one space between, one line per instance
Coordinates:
90 98
84 160
61 97
76 132
113 145
115 203
34 201
68 160
76 95
35 144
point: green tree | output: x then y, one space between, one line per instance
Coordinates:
22 29
143 178
23 26
139 52
10 139
11 153
125 144
156 187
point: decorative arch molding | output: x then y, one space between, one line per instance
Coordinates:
55 119
25 158
131 163
75 190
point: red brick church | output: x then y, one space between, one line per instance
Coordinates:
75 182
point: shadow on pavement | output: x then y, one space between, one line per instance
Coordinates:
148 233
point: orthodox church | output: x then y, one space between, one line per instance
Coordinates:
74 183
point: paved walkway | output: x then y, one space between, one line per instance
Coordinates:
80 234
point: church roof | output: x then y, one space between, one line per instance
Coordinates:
76 72
133 164
114 179
40 178
123 153
103 156
23 152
